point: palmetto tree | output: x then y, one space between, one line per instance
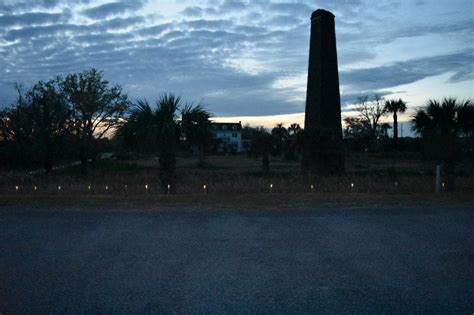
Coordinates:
262 143
168 138
395 107
195 128
448 118
139 132
440 123
280 136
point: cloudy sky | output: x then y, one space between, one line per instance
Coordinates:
241 58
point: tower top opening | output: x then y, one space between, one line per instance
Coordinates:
321 12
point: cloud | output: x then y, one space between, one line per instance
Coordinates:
120 23
14 6
27 33
111 9
291 9
208 24
410 71
154 30
102 38
26 19
192 12
232 5
283 21
231 53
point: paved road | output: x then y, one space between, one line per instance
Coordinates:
377 261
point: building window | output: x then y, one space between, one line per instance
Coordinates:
234 135
224 127
234 127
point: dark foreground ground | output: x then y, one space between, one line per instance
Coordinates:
408 260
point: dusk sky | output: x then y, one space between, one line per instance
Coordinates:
246 58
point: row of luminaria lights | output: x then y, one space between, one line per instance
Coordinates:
204 187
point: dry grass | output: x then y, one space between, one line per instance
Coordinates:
234 175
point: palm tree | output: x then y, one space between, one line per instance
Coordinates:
448 118
139 132
440 124
279 135
293 129
261 143
195 128
168 137
395 107
291 148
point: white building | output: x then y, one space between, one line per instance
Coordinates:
228 137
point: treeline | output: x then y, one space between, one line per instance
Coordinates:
59 119
435 122
70 118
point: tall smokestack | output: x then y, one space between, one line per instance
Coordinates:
324 149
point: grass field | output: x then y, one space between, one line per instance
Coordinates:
236 175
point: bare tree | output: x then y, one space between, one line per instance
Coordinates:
370 113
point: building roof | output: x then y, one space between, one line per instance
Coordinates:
226 126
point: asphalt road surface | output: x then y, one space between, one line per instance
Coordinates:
324 261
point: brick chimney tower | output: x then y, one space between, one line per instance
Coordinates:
324 151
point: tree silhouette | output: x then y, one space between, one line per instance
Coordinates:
34 129
195 125
370 113
293 143
446 118
279 137
365 128
262 142
139 132
97 108
18 134
168 137
293 129
395 107
440 124
50 118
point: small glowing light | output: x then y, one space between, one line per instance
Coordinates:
126 186
59 187
106 187
16 187
169 186
443 184
352 185
204 187
146 187
271 185
312 186
89 187
396 183
35 188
